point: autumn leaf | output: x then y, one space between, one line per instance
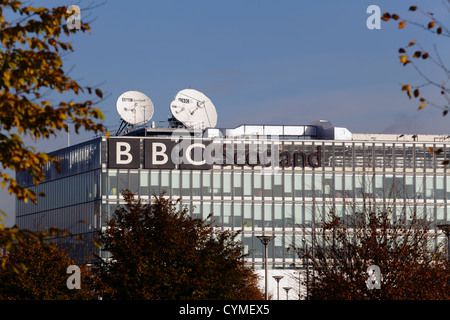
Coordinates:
406 87
401 24
99 93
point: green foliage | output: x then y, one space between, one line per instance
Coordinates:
158 252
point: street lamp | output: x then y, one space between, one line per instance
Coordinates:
278 278
287 292
265 241
446 229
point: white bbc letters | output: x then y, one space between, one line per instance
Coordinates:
123 155
159 149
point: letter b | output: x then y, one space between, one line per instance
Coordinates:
123 150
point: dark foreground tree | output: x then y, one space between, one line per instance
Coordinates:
342 256
158 252
38 98
36 270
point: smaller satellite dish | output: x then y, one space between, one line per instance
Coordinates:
134 107
194 110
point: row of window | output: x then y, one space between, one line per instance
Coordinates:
64 192
285 185
288 216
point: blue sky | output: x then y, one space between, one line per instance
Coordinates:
260 61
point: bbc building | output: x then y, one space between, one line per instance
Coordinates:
263 180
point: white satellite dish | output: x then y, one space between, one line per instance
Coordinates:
134 107
194 110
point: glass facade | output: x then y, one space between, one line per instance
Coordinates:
286 201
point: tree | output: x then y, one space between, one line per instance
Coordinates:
31 67
414 52
35 271
403 248
158 252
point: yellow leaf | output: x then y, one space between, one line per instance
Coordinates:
422 106
403 58
401 24
406 87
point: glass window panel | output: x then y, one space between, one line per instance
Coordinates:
175 184
268 220
278 215
440 215
186 184
134 181
298 185
429 188
122 183
308 215
439 187
206 209
257 216
237 215
112 177
165 182
227 215
217 217
288 223
359 185
248 215
154 183
420 187
318 185
308 185
196 188
277 185
287 185
227 184
217 183
279 246
248 185
206 179
237 184
409 187
268 185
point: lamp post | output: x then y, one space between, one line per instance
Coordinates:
278 278
265 241
446 229
287 292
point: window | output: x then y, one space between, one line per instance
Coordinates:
185 184
176 184
196 189
143 183
287 185
217 190
237 184
154 183
227 184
